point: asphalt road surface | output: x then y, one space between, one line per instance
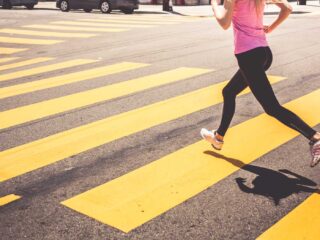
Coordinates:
99 127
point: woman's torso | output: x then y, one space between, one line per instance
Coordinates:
248 26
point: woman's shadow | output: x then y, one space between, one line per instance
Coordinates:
275 185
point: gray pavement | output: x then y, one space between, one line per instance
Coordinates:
222 211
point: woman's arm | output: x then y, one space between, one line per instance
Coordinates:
223 14
285 10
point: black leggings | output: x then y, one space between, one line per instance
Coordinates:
253 65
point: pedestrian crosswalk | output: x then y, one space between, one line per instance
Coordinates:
24 63
141 195
301 223
56 32
72 28
8 199
181 175
44 69
43 109
11 50
61 80
5 60
168 181
93 24
62 145
28 41
15 31
137 18
126 21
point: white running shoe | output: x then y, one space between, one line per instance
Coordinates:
210 136
315 153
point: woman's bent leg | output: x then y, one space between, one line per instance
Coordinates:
236 85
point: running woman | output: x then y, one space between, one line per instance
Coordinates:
254 58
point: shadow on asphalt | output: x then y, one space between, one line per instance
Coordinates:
312 5
97 11
293 12
177 13
150 12
35 9
275 185
118 12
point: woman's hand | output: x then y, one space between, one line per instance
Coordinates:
266 29
285 10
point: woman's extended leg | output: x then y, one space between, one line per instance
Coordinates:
257 81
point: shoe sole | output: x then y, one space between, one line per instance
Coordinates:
219 149
203 137
315 163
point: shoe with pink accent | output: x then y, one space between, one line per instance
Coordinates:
315 153
210 136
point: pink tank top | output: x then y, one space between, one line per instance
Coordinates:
248 26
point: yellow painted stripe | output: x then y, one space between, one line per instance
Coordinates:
24 63
148 19
8 199
4 60
301 223
91 24
126 21
37 154
70 28
46 34
35 111
43 69
28 41
141 195
11 50
68 78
